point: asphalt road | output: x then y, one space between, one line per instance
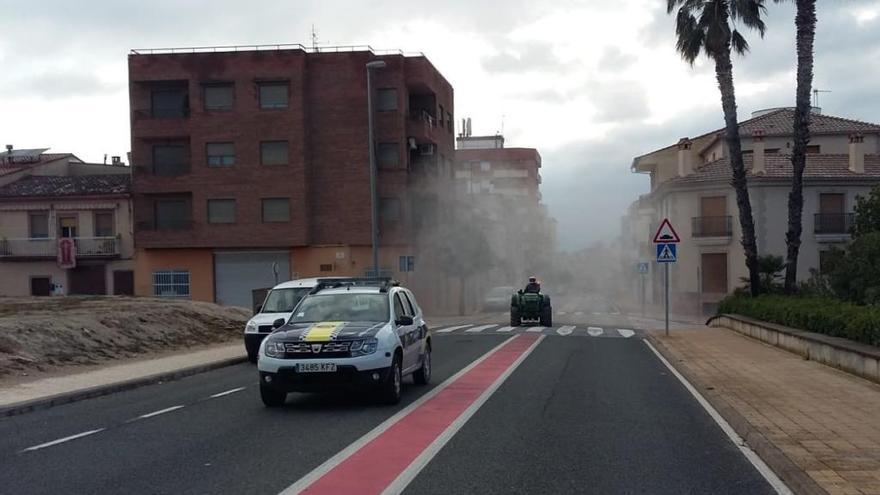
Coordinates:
578 415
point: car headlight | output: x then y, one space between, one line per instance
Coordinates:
251 327
274 349
364 347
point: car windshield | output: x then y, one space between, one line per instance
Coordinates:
342 307
283 300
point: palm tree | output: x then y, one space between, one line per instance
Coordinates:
805 22
709 26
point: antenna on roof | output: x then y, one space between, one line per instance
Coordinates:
315 42
816 95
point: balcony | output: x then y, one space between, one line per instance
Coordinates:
421 125
152 225
713 230
162 113
833 227
47 248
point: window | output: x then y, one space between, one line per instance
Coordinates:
389 209
485 166
813 148
221 211
386 99
169 160
219 96
220 154
327 267
171 214
169 103
407 263
171 283
409 298
388 155
440 116
407 306
273 153
398 306
104 224
449 122
276 209
39 225
273 95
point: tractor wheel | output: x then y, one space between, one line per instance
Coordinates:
546 316
515 319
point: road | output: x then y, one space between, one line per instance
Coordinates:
581 407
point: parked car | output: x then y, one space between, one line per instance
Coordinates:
279 303
498 298
347 334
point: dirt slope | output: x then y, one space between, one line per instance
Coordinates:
43 333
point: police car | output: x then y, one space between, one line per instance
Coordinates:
347 333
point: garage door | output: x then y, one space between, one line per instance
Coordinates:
237 274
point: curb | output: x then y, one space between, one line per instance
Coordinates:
790 473
102 390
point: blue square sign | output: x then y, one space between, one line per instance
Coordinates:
666 253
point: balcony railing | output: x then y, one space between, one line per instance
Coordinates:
833 223
162 113
150 225
717 226
422 115
86 247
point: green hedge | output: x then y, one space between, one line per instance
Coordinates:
815 314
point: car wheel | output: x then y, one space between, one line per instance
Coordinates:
423 375
515 319
390 393
272 397
547 317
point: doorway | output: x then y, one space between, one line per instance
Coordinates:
67 226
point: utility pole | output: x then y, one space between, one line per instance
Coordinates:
374 199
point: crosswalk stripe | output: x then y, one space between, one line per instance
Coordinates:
535 329
625 332
594 331
480 328
505 329
566 330
452 329
562 313
579 313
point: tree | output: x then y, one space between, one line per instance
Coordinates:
855 274
770 268
805 23
867 213
705 26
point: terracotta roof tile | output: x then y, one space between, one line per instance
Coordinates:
779 167
781 123
79 185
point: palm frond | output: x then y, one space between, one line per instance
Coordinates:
689 36
749 12
738 43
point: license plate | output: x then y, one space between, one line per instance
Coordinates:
315 367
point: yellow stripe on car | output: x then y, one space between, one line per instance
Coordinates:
324 331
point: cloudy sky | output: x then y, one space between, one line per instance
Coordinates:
590 83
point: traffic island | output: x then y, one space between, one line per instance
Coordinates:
815 426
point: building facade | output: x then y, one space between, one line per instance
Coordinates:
690 185
252 166
49 199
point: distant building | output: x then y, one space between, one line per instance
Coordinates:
690 185
252 164
47 197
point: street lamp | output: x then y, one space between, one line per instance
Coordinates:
374 200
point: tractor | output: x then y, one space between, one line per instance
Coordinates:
530 306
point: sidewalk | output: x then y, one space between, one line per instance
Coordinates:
50 390
814 425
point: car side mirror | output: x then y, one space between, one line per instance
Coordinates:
405 320
278 323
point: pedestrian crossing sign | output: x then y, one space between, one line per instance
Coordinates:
666 253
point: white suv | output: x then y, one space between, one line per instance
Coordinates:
347 334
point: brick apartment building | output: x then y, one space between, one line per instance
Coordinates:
249 159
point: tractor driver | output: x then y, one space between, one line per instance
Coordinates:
533 286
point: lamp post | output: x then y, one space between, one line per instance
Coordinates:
374 199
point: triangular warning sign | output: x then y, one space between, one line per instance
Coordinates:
666 233
666 254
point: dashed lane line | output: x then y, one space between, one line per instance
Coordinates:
62 440
221 394
479 328
160 411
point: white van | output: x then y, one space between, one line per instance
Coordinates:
279 303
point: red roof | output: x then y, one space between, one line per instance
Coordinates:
778 166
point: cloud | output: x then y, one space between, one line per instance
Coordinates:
55 85
524 58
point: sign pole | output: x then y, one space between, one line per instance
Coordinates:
666 266
643 295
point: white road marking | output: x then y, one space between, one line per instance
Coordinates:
160 411
505 329
479 328
408 474
749 454
625 333
567 330
345 453
596 313
535 329
62 440
579 313
594 331
452 329
562 313
221 394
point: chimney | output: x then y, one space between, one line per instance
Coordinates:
759 164
105 158
116 161
857 153
684 157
